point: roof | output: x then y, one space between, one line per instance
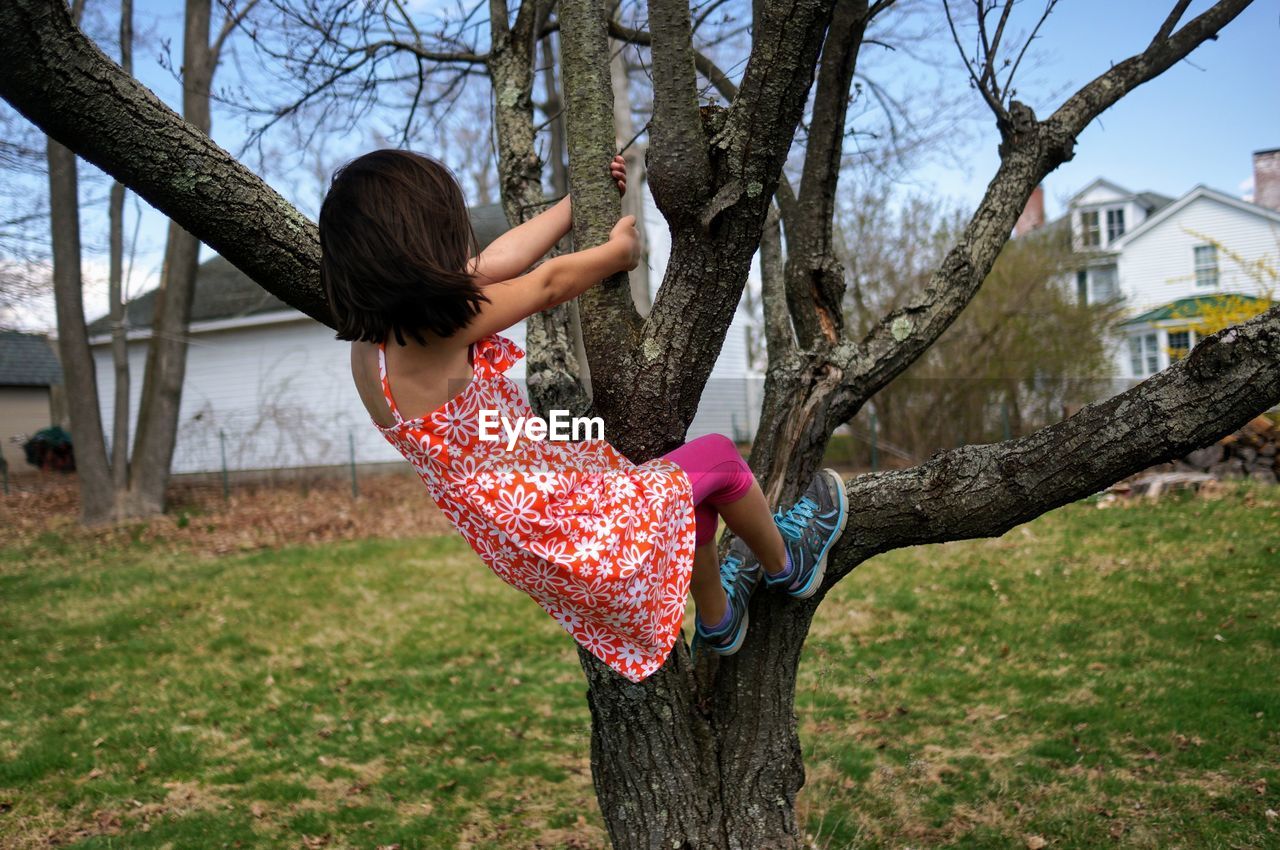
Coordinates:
224 292
1200 191
1192 307
27 360
1151 201
1101 181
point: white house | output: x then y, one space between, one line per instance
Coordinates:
1169 261
267 387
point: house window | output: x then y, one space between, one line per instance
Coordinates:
1179 344
1090 234
1115 224
1144 358
1206 265
1082 286
1105 286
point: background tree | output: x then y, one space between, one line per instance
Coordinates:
1023 349
706 755
109 490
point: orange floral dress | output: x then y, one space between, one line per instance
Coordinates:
604 545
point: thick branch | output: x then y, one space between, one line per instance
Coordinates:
610 322
984 490
815 281
65 85
679 168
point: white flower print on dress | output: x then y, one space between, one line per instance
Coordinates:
544 480
588 549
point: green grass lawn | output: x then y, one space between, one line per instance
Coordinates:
1094 678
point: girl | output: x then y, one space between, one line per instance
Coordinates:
607 547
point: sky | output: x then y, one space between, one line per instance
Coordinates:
1197 123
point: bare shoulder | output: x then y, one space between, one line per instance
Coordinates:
364 372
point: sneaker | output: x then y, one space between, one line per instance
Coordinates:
809 529
739 574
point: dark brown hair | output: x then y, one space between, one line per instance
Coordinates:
395 242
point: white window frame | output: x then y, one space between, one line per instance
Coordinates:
1114 216
1206 272
1095 294
1144 351
1086 230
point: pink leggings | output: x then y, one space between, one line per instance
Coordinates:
718 475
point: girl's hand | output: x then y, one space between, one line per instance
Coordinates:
625 239
618 170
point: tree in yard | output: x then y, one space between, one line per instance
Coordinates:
1022 349
122 486
705 754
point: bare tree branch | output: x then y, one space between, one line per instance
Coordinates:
984 490
1030 153
63 83
610 321
815 280
1175 15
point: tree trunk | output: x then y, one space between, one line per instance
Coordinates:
78 376
166 366
558 375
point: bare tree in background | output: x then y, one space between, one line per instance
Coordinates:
706 754
122 487
1022 351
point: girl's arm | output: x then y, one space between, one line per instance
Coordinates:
557 280
522 246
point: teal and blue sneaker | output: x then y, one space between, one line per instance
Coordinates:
739 574
809 530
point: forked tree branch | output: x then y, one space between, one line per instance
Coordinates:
815 280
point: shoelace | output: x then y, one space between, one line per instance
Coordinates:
796 520
729 571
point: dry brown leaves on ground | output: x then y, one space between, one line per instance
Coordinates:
253 516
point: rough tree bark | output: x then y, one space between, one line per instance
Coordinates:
663 751
557 378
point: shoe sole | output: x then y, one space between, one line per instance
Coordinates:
737 640
815 580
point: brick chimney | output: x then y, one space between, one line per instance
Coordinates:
1266 178
1033 213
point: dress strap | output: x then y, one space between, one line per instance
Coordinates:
386 382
